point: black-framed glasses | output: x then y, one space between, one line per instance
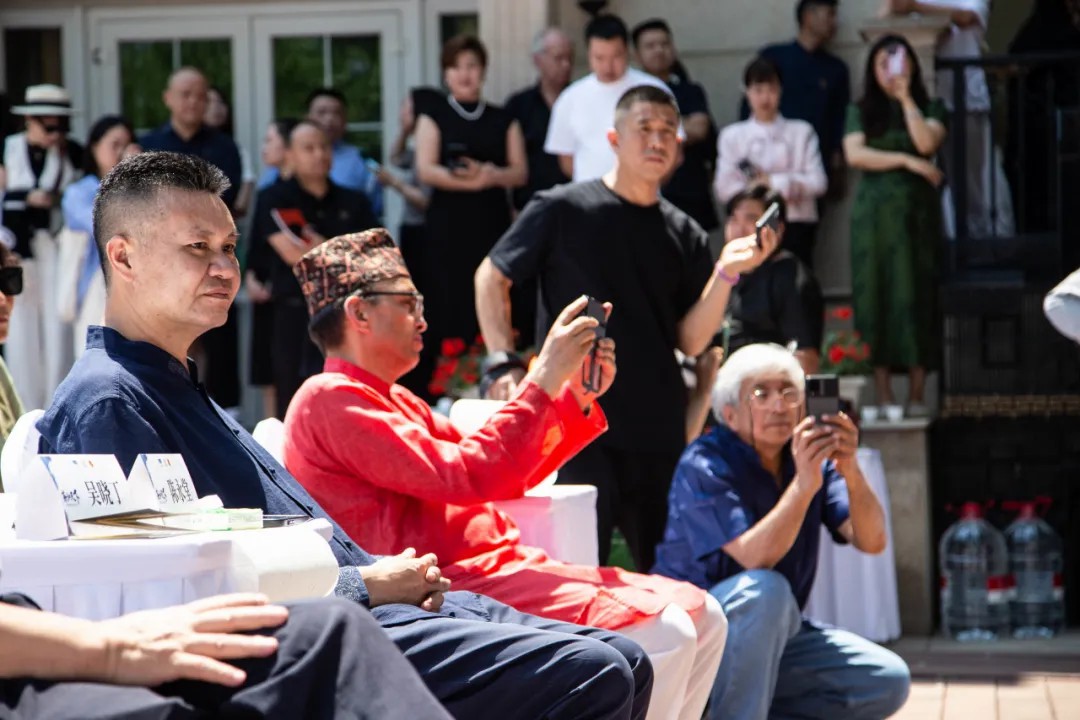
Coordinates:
416 304
11 281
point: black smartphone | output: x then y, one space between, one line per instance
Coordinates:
747 168
771 218
822 395
595 309
591 370
456 154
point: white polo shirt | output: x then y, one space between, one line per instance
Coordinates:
581 117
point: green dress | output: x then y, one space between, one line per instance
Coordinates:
895 245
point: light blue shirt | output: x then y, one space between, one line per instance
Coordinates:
78 208
349 170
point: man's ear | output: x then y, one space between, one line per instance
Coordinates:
728 412
613 138
355 314
119 250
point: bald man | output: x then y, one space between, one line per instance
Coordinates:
553 56
186 97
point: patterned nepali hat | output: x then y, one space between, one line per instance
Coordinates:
345 265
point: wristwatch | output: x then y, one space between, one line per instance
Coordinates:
497 364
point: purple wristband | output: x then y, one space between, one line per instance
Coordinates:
725 277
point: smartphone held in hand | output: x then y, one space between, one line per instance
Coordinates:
592 369
896 61
771 218
822 395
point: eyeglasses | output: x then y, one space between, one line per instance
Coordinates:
416 300
762 397
11 281
52 129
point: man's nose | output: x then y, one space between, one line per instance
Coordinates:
224 265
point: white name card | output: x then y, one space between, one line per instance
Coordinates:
91 486
168 479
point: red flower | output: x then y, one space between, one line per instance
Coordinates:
452 347
843 312
436 388
836 354
469 378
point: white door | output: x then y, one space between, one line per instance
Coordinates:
358 53
135 53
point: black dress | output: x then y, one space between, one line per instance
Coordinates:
462 226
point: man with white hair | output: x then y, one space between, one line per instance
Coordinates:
743 517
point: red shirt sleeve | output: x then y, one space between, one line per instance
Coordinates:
412 451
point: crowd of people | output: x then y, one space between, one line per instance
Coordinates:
606 187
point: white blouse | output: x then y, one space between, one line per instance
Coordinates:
785 150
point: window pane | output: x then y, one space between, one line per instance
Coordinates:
32 56
214 59
298 69
357 72
453 24
144 69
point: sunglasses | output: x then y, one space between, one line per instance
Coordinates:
11 281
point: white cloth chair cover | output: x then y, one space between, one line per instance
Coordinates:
852 590
560 519
20 449
270 433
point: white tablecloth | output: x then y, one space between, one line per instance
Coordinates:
853 590
99 579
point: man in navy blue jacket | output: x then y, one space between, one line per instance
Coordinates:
168 249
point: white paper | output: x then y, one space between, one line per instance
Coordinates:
39 509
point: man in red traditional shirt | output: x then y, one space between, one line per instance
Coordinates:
398 476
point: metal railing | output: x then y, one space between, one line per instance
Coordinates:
1031 226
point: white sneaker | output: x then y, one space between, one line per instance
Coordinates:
869 413
894 413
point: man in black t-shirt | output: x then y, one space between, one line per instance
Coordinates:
313 209
617 240
690 187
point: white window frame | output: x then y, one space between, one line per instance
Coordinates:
433 11
72 60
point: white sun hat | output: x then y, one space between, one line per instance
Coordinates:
42 100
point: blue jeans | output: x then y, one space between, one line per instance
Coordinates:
777 665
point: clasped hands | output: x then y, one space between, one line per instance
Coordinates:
406 579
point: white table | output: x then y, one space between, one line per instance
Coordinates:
855 591
99 579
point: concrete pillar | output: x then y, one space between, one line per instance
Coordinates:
507 28
905 456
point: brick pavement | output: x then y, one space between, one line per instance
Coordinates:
1013 697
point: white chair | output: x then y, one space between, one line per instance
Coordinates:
560 519
270 433
20 448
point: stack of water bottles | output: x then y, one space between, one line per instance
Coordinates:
994 583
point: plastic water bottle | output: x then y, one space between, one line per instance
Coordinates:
975 581
1036 561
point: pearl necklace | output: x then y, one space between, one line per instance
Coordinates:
466 114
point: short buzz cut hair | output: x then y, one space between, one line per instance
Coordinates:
804 5
325 92
643 27
607 27
646 94
138 180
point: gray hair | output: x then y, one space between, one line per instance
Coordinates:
747 363
540 39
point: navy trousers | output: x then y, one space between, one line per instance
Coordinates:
333 661
507 664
